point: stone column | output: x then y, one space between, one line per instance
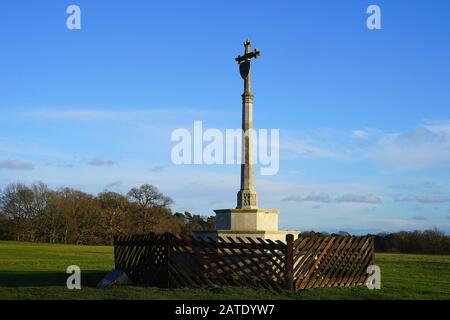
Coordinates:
246 197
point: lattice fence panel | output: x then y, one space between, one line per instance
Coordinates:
307 262
331 261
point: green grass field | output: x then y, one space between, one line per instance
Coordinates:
37 271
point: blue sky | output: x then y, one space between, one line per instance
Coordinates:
364 115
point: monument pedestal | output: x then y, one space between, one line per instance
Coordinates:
246 223
247 219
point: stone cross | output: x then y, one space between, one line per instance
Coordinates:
246 220
246 197
244 64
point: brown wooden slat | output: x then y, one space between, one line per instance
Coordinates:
338 259
234 270
302 255
272 263
325 262
307 262
353 267
363 253
343 262
252 265
314 263
331 258
369 260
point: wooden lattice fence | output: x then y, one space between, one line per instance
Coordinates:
170 261
331 261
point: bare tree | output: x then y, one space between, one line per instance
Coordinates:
114 207
148 197
16 201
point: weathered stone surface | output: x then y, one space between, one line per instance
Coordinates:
247 219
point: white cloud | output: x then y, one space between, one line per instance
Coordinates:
428 199
425 147
360 133
326 198
16 165
387 224
103 115
354 198
426 186
318 197
305 148
99 162
419 218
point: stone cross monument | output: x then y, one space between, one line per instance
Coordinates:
247 197
247 220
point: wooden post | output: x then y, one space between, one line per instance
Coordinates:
289 263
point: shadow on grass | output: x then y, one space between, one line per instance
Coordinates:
89 278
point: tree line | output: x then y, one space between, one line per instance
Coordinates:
39 214
432 241
420 242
